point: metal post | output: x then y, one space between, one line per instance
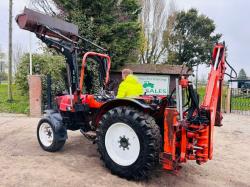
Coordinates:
228 100
196 81
49 100
231 91
177 96
10 98
180 102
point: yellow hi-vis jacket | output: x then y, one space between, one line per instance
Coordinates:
130 87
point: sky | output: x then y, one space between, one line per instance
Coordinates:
232 20
20 37
230 16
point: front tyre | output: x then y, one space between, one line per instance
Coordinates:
47 137
129 142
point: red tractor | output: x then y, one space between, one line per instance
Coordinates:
133 135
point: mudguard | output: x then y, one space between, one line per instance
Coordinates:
55 118
134 103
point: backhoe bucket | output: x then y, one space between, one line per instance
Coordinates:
41 24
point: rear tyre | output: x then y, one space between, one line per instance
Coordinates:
47 137
129 142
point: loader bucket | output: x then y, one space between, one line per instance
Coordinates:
39 23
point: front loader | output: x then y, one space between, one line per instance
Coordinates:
133 135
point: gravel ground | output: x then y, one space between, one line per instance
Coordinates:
24 163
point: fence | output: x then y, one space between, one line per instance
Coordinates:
234 100
48 93
240 101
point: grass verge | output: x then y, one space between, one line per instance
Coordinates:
240 103
20 103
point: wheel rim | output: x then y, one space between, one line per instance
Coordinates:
46 134
122 144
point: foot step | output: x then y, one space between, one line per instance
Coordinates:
89 135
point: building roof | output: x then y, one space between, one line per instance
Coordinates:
157 69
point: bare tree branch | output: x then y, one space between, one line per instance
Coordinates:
44 5
18 52
153 19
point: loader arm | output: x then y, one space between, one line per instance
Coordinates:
68 50
63 37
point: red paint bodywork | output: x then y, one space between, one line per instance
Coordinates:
65 102
84 60
181 145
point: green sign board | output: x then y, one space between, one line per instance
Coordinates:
155 84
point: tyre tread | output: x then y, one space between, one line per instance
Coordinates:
152 134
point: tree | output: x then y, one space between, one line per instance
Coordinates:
2 54
111 23
47 64
242 75
3 76
44 5
190 38
153 19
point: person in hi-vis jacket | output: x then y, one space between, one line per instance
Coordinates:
130 86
